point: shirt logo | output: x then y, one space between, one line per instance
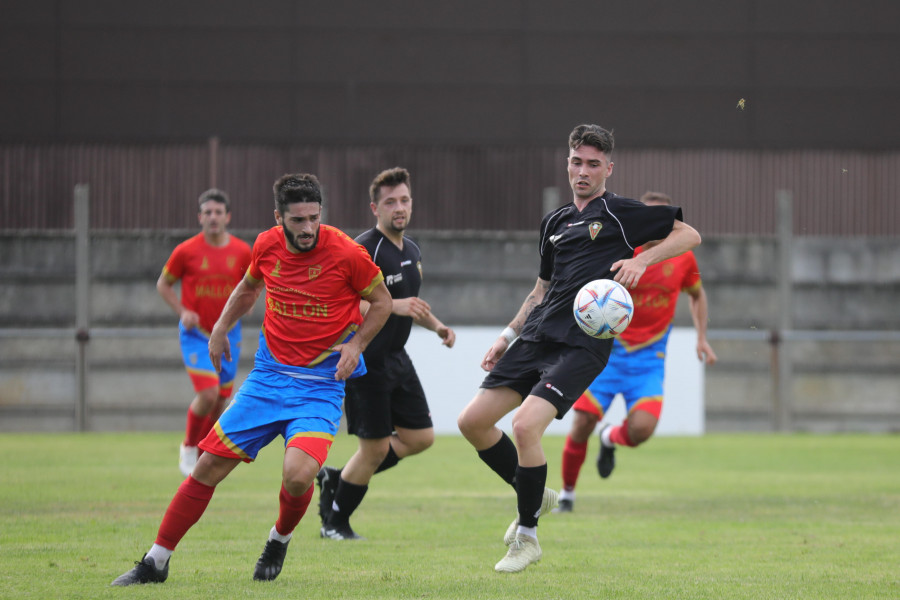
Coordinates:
392 279
554 238
574 224
205 264
231 260
405 262
595 228
315 271
276 272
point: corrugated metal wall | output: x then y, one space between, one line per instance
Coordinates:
723 192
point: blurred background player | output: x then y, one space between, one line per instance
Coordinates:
310 343
386 408
209 265
636 365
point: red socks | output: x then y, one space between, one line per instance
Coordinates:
572 459
291 509
619 435
184 510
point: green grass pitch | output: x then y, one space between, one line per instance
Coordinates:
718 517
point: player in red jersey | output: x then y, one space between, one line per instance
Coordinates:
311 341
636 365
209 266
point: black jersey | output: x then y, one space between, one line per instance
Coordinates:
402 270
578 247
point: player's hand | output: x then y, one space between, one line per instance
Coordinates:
447 335
497 350
348 361
189 319
219 346
705 353
411 307
628 271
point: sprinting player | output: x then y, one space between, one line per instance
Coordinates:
310 343
636 365
553 361
209 265
386 408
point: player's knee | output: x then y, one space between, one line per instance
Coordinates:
641 433
421 442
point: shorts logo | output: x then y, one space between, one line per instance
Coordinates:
552 387
595 228
315 271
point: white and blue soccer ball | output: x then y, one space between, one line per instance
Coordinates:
603 308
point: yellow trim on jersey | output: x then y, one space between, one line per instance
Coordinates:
343 338
378 279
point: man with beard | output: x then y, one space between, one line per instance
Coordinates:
386 408
312 337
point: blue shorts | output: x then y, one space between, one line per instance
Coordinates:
195 354
278 399
637 375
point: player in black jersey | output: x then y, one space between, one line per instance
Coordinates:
386 408
553 361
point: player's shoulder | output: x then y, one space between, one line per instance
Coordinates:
240 243
269 238
369 238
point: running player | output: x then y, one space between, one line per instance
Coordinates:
386 408
553 361
310 343
208 265
636 365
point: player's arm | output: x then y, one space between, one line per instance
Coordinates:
682 238
239 303
432 323
379 301
166 289
700 315
512 331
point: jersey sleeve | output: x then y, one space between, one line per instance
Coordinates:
641 223
691 280
173 270
364 273
546 250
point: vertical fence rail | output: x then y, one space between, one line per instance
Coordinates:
82 301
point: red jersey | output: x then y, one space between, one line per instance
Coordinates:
656 297
312 298
208 274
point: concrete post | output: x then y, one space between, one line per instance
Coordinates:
82 301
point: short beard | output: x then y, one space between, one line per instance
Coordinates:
292 240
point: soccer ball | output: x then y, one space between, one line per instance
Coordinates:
603 308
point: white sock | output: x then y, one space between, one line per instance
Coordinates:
604 437
159 555
274 535
567 495
529 531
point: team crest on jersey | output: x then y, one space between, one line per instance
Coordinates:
276 272
595 228
315 271
205 264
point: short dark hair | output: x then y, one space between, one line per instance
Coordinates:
214 195
656 197
592 135
297 187
388 178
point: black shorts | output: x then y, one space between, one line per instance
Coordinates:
557 372
388 396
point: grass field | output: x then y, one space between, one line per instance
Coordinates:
719 517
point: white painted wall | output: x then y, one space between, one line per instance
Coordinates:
452 376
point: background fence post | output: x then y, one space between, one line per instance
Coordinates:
82 301
783 409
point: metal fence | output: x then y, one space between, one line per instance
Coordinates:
723 192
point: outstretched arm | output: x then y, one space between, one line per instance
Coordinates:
512 331
682 238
